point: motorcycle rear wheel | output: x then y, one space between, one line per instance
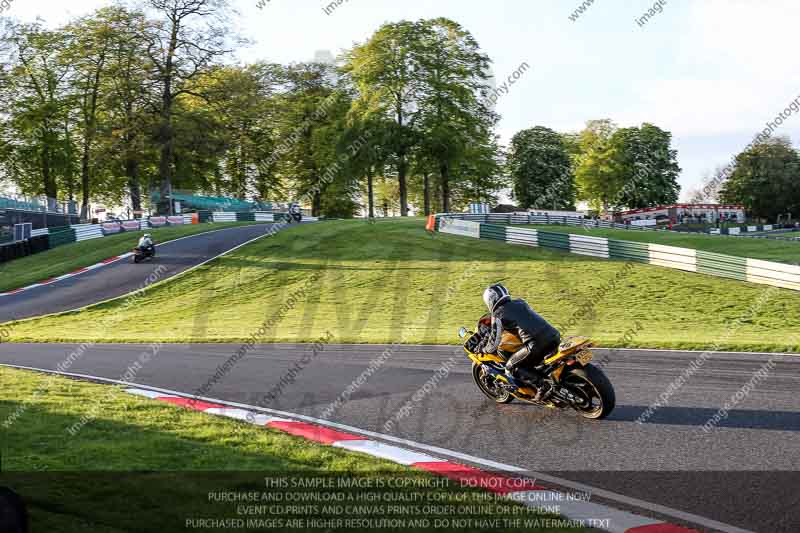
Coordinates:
490 392
591 382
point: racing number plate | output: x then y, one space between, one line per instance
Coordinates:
584 357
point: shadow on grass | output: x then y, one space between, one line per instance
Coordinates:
113 476
237 262
368 243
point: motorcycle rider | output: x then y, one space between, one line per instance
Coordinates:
539 338
146 243
295 213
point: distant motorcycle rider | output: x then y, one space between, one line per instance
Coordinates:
146 242
295 213
539 339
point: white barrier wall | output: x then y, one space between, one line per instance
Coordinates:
781 275
223 217
464 228
593 246
775 274
673 257
525 237
84 232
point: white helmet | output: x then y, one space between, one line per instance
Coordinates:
494 296
147 236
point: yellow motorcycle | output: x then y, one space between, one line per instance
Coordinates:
574 382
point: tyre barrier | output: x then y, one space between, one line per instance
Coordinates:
18 249
782 275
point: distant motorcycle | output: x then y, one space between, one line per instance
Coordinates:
143 254
575 382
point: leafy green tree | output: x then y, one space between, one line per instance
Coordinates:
452 116
127 123
239 114
188 38
38 143
765 179
648 165
541 169
597 174
479 174
310 106
89 45
385 71
373 159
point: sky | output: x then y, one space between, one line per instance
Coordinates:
712 72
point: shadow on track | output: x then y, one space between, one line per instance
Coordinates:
698 416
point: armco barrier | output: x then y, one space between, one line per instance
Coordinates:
84 232
219 216
521 219
725 266
59 236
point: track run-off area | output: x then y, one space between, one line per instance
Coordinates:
739 471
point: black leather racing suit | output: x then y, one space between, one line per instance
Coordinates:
538 337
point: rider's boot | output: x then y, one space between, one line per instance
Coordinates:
543 391
543 388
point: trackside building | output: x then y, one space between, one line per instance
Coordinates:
682 213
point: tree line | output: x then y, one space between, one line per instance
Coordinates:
607 166
764 178
126 101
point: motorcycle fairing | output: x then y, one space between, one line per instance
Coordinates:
570 346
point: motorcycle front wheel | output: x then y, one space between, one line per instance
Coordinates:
592 385
487 384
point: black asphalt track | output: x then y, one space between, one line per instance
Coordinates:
123 276
743 472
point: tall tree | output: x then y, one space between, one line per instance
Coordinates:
35 80
128 105
386 73
453 116
648 166
541 169
597 174
91 39
187 39
310 103
765 179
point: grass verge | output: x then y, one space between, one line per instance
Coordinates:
355 282
70 257
140 465
766 249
